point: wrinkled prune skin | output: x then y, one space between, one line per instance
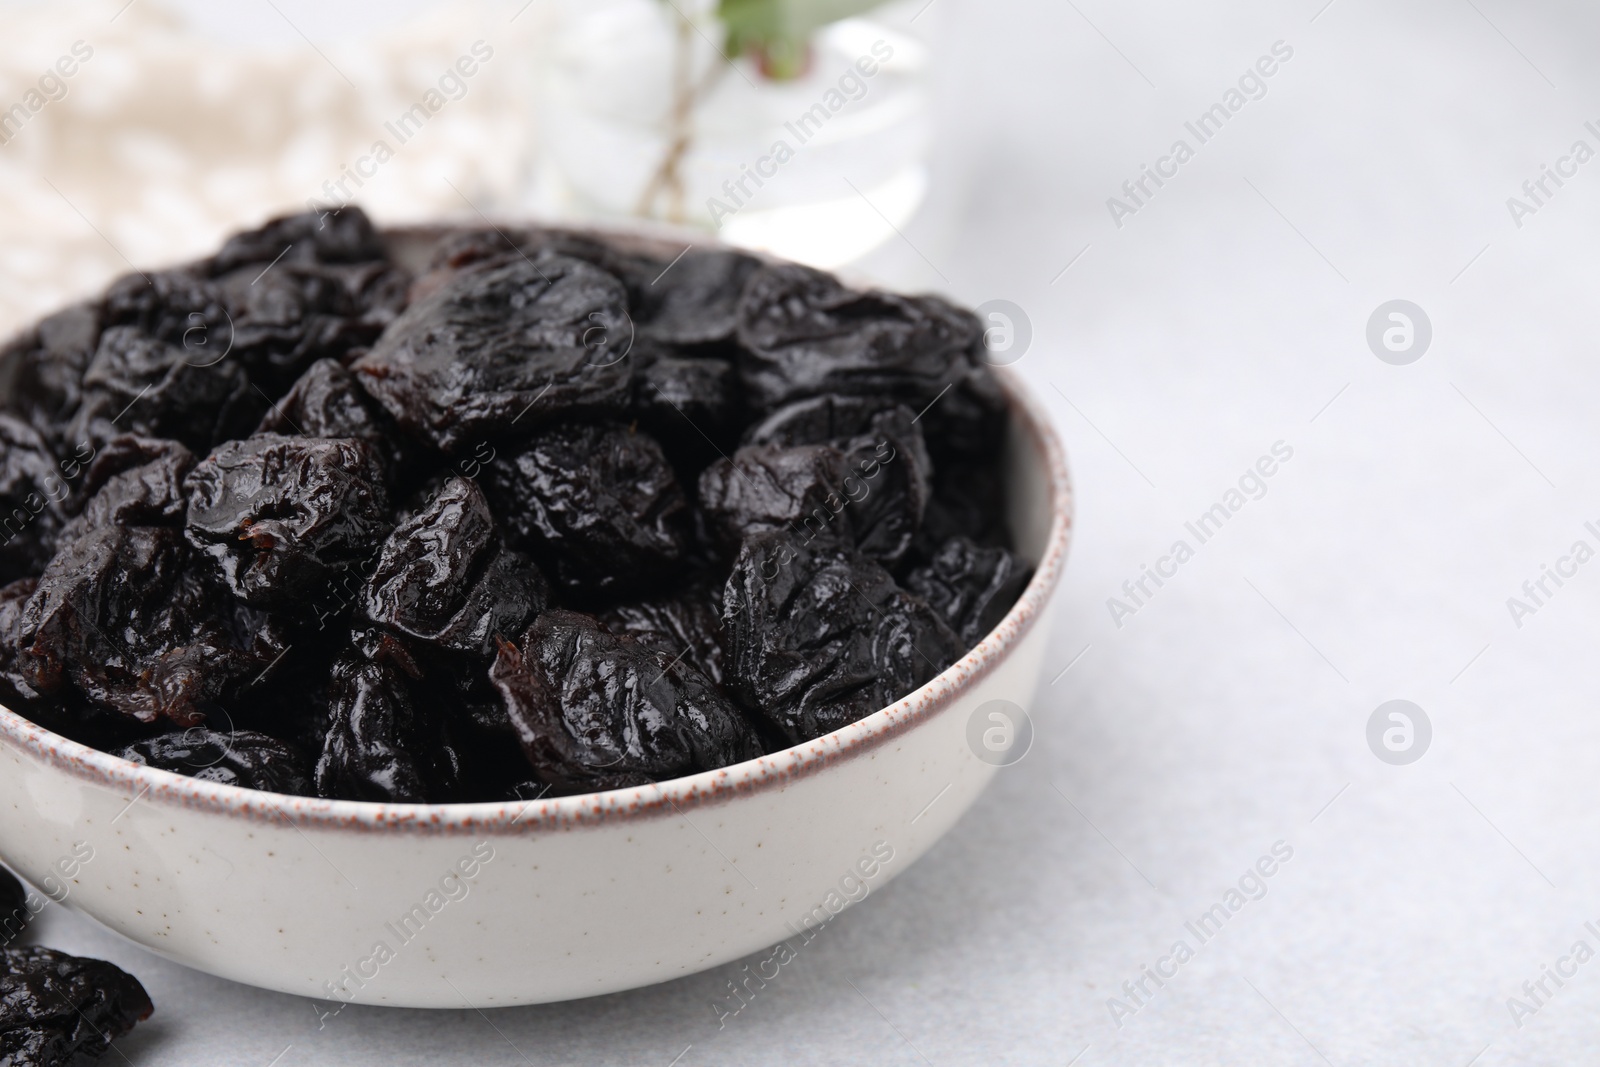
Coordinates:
14 910
343 236
687 624
14 688
32 497
284 518
55 1007
766 488
819 637
445 579
967 424
129 617
496 353
135 481
48 362
802 333
239 757
143 385
325 401
596 710
890 475
177 306
293 314
972 586
689 403
597 504
383 743
696 299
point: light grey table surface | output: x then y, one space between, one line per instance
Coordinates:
1229 712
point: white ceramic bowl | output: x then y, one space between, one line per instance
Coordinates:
431 905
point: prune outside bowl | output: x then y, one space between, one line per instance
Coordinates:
496 904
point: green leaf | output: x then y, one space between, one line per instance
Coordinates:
779 31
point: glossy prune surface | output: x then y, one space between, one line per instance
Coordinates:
596 710
238 757
497 353
598 501
820 636
55 1007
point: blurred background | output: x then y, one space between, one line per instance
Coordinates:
1179 327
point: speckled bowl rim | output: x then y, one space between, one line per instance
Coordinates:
763 774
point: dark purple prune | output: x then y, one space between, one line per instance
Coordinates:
144 385
32 494
126 616
687 624
135 481
293 314
596 710
176 306
496 353
971 586
763 488
445 579
55 1007
596 504
14 688
819 637
803 334
890 475
47 364
383 743
284 518
691 404
326 402
343 236
696 299
239 757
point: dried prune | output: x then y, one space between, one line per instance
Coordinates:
762 488
176 306
819 637
126 615
14 597
445 579
689 403
135 481
47 365
54 1007
326 402
968 501
343 236
237 757
284 518
597 503
967 424
496 353
32 493
596 710
889 473
971 586
687 624
144 385
696 299
14 911
802 333
382 742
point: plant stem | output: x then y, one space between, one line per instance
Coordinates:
686 94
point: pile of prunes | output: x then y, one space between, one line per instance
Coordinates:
556 514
